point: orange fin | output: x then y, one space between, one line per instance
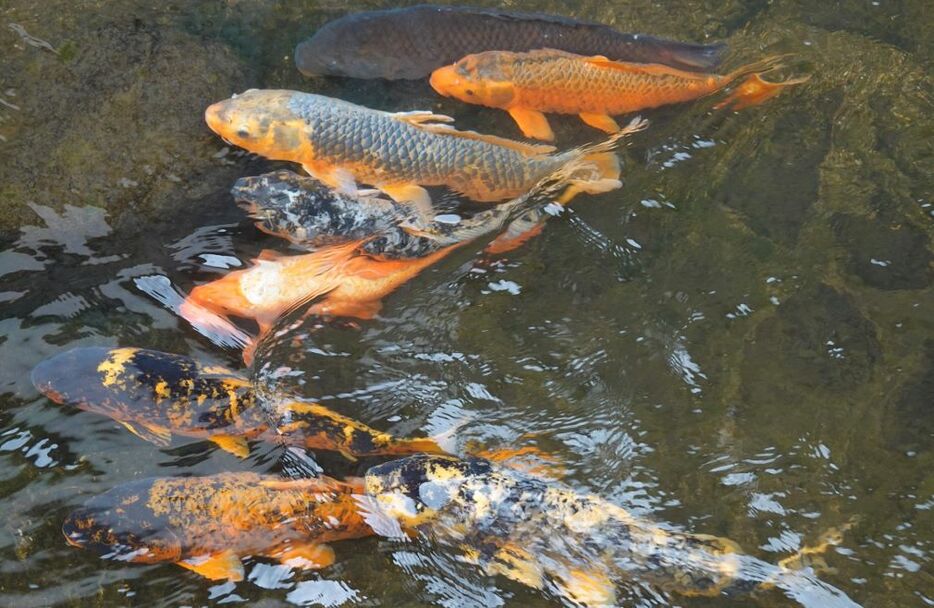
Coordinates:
509 240
223 565
527 459
596 186
419 117
152 433
268 255
403 447
518 146
532 123
309 556
336 178
755 90
587 588
233 444
408 193
600 121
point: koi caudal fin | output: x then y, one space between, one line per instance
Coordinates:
754 89
594 168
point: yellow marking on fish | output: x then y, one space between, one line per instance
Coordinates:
162 389
115 364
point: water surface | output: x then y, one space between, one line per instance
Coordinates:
739 342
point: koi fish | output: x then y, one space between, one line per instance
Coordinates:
156 395
341 144
547 536
411 42
307 213
207 524
350 279
527 85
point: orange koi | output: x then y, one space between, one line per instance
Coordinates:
528 85
208 524
350 283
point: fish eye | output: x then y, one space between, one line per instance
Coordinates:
469 92
243 132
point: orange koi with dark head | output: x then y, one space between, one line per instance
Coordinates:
207 524
528 85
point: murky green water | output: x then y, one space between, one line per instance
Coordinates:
739 342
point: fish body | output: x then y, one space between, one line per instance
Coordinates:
342 144
408 43
528 85
551 537
306 212
346 281
207 524
156 395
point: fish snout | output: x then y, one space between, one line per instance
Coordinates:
217 116
446 81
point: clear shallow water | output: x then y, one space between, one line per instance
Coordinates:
739 342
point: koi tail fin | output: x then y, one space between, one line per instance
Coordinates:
602 162
756 67
212 326
755 90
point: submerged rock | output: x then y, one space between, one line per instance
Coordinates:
109 113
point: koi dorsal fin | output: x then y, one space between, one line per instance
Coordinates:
518 146
435 123
651 69
418 117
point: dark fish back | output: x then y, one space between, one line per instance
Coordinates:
409 43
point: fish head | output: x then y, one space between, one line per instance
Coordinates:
479 79
358 47
119 525
261 121
96 379
418 489
278 200
222 296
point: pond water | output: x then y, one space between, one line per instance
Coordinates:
738 342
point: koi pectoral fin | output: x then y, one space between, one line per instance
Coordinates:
309 556
532 123
233 444
152 433
412 194
217 566
604 122
335 178
596 186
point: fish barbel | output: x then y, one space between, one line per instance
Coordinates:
411 42
548 536
156 395
342 144
528 85
207 524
